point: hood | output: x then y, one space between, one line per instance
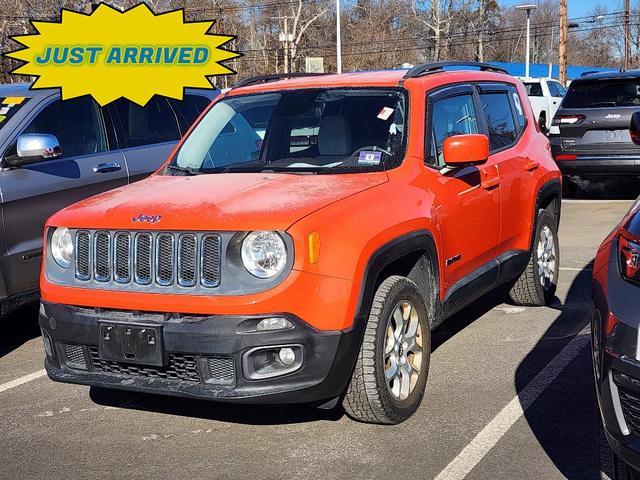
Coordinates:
233 201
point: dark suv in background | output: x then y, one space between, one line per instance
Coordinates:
54 153
589 136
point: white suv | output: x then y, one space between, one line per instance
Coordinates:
545 95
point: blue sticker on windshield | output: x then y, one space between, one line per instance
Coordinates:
368 157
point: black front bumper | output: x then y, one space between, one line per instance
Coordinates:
205 356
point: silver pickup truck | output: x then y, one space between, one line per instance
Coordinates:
54 153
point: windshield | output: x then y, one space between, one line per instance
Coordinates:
319 131
9 106
603 93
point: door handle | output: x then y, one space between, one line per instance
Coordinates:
530 165
107 167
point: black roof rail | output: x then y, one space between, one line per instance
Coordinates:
427 68
591 72
273 78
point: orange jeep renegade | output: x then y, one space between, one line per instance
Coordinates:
305 238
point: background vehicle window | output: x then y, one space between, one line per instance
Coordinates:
556 89
156 122
451 116
603 93
76 123
534 89
502 129
521 120
189 109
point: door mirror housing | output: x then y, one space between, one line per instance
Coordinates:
464 150
32 148
634 128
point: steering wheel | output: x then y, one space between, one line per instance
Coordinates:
373 148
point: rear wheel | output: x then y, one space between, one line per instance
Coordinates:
390 375
542 123
536 286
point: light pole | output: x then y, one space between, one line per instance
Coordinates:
528 9
338 39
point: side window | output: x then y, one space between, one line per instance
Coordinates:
189 109
556 89
76 123
521 120
534 89
156 122
502 128
450 116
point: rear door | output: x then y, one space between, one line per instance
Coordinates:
148 134
33 192
467 200
595 115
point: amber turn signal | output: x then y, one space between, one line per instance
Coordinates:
314 247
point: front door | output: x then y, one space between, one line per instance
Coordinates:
466 200
33 192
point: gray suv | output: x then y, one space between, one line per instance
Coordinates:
54 153
590 132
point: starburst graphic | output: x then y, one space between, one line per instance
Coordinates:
111 54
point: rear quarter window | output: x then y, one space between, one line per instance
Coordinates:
534 89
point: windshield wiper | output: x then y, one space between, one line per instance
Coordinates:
185 170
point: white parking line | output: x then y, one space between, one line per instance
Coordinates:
476 450
575 269
595 200
22 380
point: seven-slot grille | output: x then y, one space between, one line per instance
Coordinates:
145 258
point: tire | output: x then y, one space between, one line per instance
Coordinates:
369 397
542 123
531 288
610 465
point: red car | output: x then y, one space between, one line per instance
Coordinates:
366 209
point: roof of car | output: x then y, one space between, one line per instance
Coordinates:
613 75
22 90
369 78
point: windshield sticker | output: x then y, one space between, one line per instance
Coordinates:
516 100
2 118
385 113
368 157
4 110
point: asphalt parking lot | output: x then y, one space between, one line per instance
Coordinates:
509 395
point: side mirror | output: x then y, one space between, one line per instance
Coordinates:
32 148
634 128
464 150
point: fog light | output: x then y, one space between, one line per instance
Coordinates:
267 362
275 323
48 347
287 356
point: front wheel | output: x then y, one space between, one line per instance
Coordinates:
390 375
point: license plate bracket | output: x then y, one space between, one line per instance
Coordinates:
135 343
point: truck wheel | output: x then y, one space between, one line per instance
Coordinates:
390 375
610 466
536 286
542 123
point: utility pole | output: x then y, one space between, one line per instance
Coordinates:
286 38
528 9
338 39
562 47
627 37
481 12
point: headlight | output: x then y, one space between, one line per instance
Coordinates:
264 254
62 247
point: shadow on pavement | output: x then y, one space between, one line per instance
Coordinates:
608 189
18 328
563 418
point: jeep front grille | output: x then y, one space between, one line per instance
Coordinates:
145 258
